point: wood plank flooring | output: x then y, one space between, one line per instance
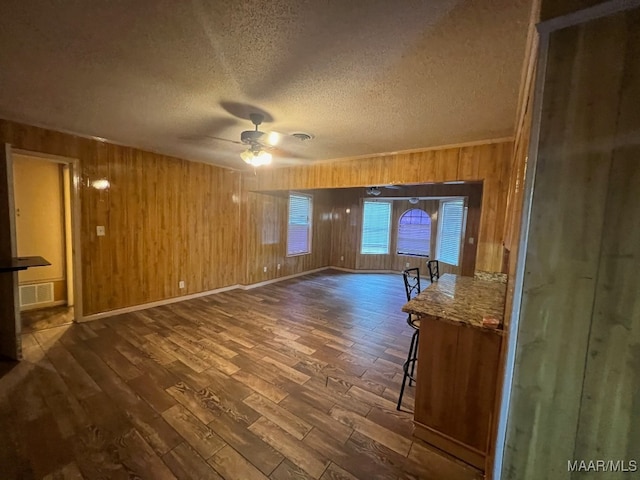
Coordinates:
292 380
49 317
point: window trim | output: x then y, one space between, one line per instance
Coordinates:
390 205
309 223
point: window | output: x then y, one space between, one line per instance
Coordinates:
450 221
376 223
299 231
414 233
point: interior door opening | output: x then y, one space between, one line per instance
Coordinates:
45 215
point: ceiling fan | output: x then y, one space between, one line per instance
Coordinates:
259 143
375 191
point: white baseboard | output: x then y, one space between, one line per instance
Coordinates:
167 301
279 279
38 306
351 270
159 303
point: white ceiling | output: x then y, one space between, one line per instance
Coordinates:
362 76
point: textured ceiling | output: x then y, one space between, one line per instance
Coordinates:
362 76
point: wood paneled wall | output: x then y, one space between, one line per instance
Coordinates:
347 235
514 210
347 227
166 220
515 194
346 224
169 219
575 393
488 163
265 236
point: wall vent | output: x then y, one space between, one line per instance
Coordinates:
35 294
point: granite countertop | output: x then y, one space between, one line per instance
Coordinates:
459 299
491 276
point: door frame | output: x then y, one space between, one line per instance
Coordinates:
10 324
76 255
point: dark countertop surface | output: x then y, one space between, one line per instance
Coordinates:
22 263
459 299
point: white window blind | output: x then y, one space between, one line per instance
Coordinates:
414 233
450 231
299 231
376 223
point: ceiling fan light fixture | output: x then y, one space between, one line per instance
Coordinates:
256 158
273 138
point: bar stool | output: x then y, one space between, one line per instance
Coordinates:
411 278
434 270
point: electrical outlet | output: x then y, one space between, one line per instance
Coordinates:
342 258
407 264
278 266
471 240
181 284
264 269
100 231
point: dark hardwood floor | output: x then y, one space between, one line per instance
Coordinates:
294 380
42 318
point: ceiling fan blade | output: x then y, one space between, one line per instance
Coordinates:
208 131
283 153
207 138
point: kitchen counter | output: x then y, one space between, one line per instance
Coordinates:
458 299
458 360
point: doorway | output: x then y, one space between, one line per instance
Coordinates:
46 222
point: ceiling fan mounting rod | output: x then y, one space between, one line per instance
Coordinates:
256 119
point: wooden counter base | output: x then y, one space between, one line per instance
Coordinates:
455 388
450 445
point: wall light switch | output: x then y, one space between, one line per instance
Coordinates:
181 284
265 270
278 266
100 230
471 240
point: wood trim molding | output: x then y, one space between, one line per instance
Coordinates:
159 303
279 279
75 179
353 270
474 143
510 355
450 445
57 303
600 10
10 325
168 301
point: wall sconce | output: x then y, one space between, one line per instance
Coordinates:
101 184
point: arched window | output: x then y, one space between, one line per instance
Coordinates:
414 233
